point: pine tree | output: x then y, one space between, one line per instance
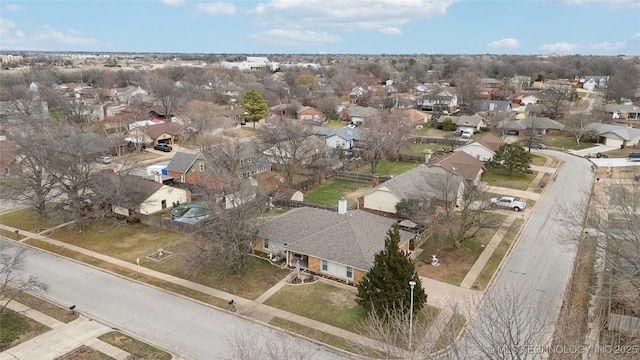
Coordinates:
257 108
385 289
512 157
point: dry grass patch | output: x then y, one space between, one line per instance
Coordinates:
29 220
543 183
85 353
17 328
495 260
135 347
455 263
538 160
46 307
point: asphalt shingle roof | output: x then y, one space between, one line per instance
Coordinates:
181 162
350 239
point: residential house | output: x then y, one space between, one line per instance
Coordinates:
168 133
308 113
358 114
626 112
483 149
9 159
412 116
594 82
493 106
288 194
473 122
445 100
530 99
189 168
306 153
539 125
337 138
470 168
128 94
617 135
421 183
129 195
338 245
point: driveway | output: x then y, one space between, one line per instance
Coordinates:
598 148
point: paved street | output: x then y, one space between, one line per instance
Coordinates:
540 265
193 330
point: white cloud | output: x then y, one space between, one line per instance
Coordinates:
390 30
610 47
216 8
613 4
347 15
13 7
282 37
46 39
559 47
508 43
173 2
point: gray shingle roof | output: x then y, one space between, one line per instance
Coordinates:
350 239
417 182
181 162
127 191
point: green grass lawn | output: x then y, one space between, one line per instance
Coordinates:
322 302
501 178
133 346
17 328
417 149
538 160
28 219
565 142
496 258
387 168
332 190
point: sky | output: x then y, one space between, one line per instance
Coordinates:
516 27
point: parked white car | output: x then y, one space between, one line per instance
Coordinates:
509 202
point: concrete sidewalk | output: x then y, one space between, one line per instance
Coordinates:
61 339
440 294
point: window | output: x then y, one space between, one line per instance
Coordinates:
164 204
201 167
324 265
265 243
241 162
349 272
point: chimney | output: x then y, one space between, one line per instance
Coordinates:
376 180
342 206
157 178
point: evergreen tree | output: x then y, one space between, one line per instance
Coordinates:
385 289
257 108
512 157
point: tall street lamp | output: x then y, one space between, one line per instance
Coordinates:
412 284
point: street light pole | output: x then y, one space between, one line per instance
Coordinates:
412 284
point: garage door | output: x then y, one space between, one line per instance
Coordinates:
613 142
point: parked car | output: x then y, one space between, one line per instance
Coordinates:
457 133
540 146
467 134
351 126
162 147
509 202
104 159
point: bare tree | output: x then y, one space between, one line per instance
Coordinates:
467 87
32 184
12 277
165 91
258 346
291 146
383 135
578 125
509 325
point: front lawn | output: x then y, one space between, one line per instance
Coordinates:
501 178
129 242
17 328
538 160
387 168
333 190
418 149
322 302
139 349
565 143
495 260
29 220
454 263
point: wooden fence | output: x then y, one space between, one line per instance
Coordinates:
360 177
296 204
624 323
167 224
